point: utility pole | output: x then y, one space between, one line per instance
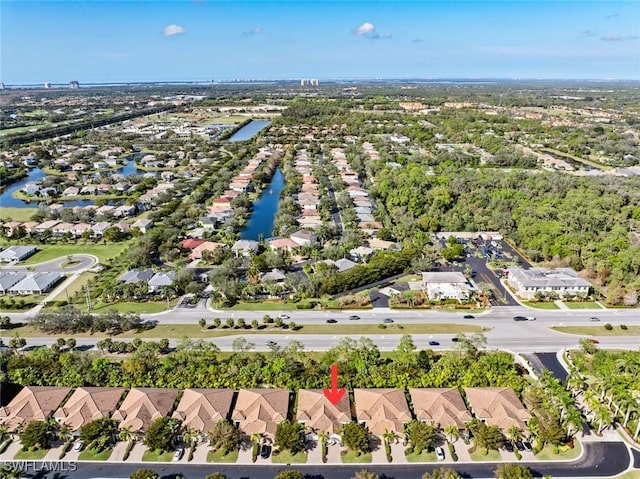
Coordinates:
88 297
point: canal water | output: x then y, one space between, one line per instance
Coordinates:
264 210
249 130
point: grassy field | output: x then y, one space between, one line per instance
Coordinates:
218 456
543 305
75 287
92 455
149 307
285 457
157 456
424 456
262 306
592 163
583 305
17 214
102 251
31 455
352 457
492 456
546 454
598 330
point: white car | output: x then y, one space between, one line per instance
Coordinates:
440 453
178 454
79 446
283 316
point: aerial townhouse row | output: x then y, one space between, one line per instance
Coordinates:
260 410
62 228
309 195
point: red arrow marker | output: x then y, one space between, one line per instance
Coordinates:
334 394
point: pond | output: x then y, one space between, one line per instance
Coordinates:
249 130
264 210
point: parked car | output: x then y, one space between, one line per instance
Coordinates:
178 454
519 446
265 451
354 317
526 445
440 453
332 321
593 318
79 446
387 320
508 446
468 316
434 343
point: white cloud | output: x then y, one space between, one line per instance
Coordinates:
253 31
171 30
365 28
387 36
618 38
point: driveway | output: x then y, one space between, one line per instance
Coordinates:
379 300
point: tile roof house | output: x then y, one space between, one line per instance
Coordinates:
244 247
304 237
382 409
159 280
260 410
142 406
196 253
37 283
32 403
201 409
10 278
17 253
88 404
135 275
286 244
498 406
442 406
317 413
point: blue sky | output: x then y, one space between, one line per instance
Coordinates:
102 41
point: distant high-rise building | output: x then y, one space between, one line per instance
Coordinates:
1 86
47 84
309 82
74 84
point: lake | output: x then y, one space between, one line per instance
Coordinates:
249 130
264 210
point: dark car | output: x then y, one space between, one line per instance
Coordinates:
508 446
354 317
387 320
455 340
434 343
520 318
265 451
332 321
519 446
526 445
468 316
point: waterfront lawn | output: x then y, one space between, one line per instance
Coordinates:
546 454
31 454
598 330
17 214
285 457
219 456
355 457
104 252
491 456
424 456
157 456
91 454
540 305
582 305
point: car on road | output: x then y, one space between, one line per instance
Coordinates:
332 321
526 445
519 446
354 317
440 453
177 455
271 343
468 316
79 446
283 316
520 318
434 343
265 451
455 339
531 318
387 320
593 318
508 446
593 341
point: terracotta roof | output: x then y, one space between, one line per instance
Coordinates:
442 406
382 409
201 409
143 405
260 410
196 253
87 404
283 243
32 403
191 243
319 414
498 406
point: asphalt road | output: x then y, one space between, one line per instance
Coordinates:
599 459
550 361
84 261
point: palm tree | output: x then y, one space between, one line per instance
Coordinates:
514 433
573 421
388 436
256 438
190 436
630 405
126 434
602 416
3 431
323 437
64 432
452 432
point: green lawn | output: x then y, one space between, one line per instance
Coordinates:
148 307
102 251
546 454
424 456
263 306
285 457
31 455
353 457
598 330
582 305
77 285
218 456
92 455
492 456
542 305
157 456
17 214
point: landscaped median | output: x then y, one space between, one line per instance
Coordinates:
604 330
